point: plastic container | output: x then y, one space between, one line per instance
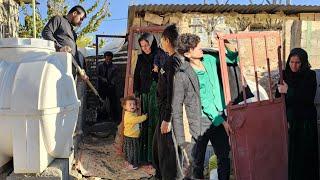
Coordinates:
38 104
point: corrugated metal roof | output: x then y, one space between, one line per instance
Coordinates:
214 8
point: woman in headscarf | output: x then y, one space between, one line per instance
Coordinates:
145 85
299 88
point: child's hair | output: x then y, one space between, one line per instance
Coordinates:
126 99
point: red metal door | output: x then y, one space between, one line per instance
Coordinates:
259 142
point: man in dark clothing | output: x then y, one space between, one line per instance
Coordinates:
60 30
165 151
108 79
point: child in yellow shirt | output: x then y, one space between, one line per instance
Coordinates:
131 131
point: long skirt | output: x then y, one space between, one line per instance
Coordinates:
303 146
149 106
131 150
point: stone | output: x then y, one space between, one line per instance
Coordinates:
136 22
317 16
57 170
153 18
307 16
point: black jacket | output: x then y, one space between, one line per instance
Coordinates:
108 76
60 31
165 87
143 75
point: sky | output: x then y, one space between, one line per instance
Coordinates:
117 23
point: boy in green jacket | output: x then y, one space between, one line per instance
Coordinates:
212 105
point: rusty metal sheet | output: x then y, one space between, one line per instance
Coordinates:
259 142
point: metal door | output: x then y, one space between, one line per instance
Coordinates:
259 142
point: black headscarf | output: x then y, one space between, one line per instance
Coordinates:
151 40
292 78
154 48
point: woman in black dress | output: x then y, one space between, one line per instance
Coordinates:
145 87
300 87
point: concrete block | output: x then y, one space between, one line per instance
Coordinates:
57 170
166 20
153 18
136 22
143 22
174 20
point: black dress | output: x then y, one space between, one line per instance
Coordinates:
302 118
145 84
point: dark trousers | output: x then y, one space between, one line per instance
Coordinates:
220 142
165 155
111 111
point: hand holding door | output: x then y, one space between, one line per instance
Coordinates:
283 88
227 128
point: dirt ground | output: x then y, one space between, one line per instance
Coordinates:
96 158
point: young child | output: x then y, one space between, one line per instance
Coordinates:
131 131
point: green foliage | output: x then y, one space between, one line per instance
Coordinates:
213 162
102 42
93 7
26 29
56 7
96 19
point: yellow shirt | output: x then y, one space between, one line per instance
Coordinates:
131 124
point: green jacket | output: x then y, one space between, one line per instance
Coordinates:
211 92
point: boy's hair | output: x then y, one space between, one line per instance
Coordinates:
108 53
126 99
186 42
171 33
79 9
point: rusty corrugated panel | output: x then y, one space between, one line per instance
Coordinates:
213 8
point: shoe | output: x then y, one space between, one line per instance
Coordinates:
132 167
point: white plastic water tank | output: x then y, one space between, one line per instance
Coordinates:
38 104
262 93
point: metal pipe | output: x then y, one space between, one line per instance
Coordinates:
243 84
224 70
269 71
255 67
34 19
97 58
